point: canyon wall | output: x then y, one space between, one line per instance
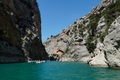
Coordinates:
20 31
93 38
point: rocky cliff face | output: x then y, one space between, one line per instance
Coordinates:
20 31
93 38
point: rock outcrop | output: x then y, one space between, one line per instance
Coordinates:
98 59
93 38
112 44
20 31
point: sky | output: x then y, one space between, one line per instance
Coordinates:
57 15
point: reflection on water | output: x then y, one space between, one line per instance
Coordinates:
56 71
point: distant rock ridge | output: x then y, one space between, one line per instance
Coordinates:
93 38
20 31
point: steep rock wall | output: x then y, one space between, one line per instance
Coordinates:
93 38
20 31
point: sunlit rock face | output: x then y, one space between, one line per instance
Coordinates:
112 44
20 31
94 38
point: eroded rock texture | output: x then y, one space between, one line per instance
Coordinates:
94 38
20 31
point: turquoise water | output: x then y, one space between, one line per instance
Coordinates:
52 70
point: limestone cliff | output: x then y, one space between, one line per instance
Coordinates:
93 38
20 31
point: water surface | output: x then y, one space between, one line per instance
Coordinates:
53 70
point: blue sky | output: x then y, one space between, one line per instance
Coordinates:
57 15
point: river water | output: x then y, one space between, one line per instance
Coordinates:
53 70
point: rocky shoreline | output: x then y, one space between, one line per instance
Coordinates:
93 39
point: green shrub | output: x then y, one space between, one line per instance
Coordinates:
110 14
67 50
91 47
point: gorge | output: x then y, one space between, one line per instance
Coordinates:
93 39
